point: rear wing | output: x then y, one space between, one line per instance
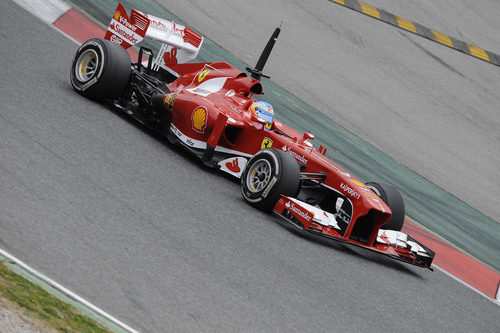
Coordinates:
179 43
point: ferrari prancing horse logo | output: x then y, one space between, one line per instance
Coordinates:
266 143
203 75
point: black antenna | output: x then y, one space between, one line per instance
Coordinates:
257 71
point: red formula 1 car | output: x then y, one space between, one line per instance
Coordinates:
209 109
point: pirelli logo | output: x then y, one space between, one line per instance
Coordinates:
420 30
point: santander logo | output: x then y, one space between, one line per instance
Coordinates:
233 166
298 157
178 30
298 210
170 57
116 40
160 25
129 37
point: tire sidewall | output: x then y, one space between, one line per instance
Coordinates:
113 72
102 58
256 197
394 200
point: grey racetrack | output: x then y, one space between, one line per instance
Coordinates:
141 230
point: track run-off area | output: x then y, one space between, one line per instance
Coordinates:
145 232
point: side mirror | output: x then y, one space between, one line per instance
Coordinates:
258 119
308 136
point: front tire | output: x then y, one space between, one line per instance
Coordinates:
392 198
268 174
100 70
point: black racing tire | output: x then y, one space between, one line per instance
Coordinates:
391 196
283 178
100 70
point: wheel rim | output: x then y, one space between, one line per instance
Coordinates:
86 65
258 176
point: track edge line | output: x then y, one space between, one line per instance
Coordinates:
494 301
66 291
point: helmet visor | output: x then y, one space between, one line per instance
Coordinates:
267 116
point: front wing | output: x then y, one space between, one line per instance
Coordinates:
394 244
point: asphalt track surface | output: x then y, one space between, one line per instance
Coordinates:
142 231
426 203
429 107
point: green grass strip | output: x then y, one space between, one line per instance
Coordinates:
43 305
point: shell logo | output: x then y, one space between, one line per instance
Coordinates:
203 74
117 15
199 119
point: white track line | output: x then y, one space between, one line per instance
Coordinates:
497 301
46 10
66 291
498 293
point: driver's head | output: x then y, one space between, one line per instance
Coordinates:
263 110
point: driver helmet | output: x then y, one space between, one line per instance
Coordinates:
263 110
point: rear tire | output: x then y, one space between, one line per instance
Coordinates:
268 174
391 196
100 70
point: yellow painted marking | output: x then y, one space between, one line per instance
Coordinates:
369 10
478 52
405 24
442 38
410 26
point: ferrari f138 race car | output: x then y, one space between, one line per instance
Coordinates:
210 110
